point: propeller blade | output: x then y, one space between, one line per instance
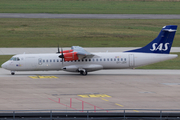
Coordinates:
62 56
58 49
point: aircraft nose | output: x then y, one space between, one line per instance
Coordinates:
4 65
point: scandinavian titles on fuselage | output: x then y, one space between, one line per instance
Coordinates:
159 47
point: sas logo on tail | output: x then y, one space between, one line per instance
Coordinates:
160 47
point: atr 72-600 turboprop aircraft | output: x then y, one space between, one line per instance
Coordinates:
79 60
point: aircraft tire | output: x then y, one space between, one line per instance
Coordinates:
12 73
83 73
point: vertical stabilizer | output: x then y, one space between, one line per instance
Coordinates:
162 44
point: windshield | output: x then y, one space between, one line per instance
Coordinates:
15 59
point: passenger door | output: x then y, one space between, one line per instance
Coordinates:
131 60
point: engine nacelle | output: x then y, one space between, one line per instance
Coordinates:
67 51
70 56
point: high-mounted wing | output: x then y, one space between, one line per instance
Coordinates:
81 53
76 53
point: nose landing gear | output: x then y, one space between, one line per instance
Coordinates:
12 73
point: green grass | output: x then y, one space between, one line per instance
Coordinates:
18 32
169 64
91 6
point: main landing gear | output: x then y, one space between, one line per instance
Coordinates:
12 73
83 72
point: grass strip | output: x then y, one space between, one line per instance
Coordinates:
18 32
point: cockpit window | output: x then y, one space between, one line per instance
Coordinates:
15 59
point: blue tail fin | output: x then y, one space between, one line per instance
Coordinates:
162 44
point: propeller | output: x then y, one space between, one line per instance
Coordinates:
62 55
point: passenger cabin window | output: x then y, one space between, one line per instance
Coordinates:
40 61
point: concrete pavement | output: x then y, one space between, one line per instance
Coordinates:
101 90
90 16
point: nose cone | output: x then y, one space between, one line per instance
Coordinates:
4 65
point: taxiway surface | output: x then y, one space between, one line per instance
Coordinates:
90 16
106 89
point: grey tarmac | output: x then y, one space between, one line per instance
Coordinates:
90 16
101 90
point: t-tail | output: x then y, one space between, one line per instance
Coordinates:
162 44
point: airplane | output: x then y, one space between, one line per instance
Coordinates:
79 60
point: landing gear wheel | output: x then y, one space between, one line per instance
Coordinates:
83 73
12 73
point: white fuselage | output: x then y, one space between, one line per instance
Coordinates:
106 60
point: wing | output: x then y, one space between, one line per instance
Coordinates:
81 53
